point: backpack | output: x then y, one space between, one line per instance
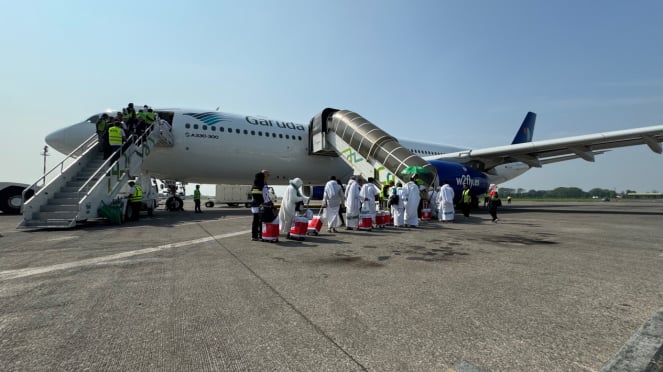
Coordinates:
393 200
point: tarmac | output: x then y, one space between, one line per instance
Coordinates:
551 287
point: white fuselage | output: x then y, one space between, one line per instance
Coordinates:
222 148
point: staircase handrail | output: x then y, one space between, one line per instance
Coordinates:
108 165
89 141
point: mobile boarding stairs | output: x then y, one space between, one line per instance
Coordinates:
83 182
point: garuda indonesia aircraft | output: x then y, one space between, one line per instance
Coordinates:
217 147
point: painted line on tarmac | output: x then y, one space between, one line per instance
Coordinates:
643 351
22 273
57 239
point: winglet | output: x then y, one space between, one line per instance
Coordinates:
526 130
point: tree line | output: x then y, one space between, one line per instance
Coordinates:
561 193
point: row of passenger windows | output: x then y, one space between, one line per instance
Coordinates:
426 152
245 131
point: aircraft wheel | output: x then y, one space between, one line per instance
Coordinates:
11 199
174 204
209 204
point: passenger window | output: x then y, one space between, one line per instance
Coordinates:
299 137
221 129
246 131
274 135
237 131
195 126
253 132
213 129
187 125
204 127
287 136
280 135
260 134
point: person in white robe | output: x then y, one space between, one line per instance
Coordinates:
368 194
291 197
352 204
331 199
398 209
445 202
411 199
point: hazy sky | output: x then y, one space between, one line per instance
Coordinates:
455 72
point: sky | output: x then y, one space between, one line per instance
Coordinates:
462 73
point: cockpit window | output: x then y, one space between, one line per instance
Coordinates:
93 119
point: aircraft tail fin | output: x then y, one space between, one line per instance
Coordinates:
526 130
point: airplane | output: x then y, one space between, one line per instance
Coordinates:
223 148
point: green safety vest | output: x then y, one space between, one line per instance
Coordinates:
140 115
196 194
101 125
466 196
137 196
150 117
115 136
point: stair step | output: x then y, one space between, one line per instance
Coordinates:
59 208
74 189
72 200
64 215
67 195
76 182
47 224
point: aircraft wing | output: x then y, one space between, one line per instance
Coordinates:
538 153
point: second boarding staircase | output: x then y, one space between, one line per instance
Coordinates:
369 150
84 181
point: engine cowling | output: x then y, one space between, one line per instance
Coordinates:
458 175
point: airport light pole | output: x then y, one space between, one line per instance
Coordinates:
45 154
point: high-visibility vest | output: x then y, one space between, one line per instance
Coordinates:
115 136
101 125
196 194
140 115
466 196
137 196
150 117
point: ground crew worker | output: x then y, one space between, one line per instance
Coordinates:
130 119
102 126
135 200
140 123
196 199
466 200
150 117
116 138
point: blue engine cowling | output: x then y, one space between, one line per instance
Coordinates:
458 175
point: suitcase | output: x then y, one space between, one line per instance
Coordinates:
270 232
426 214
365 222
314 225
299 227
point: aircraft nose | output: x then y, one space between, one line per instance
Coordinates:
67 139
57 140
